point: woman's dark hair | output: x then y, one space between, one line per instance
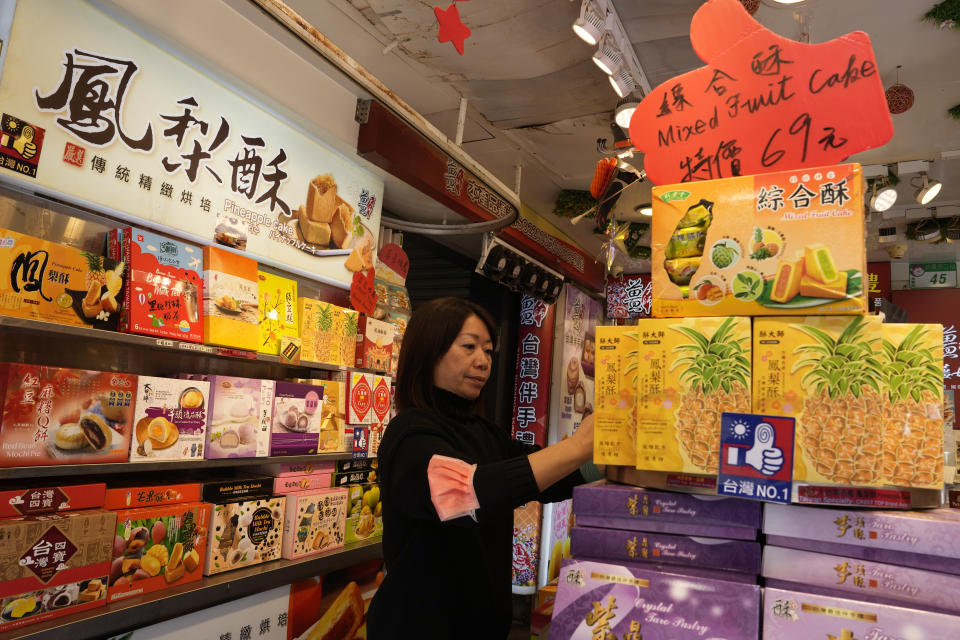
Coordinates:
430 333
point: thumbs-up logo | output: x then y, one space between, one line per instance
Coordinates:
764 455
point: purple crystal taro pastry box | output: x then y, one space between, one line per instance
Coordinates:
612 506
921 539
598 600
618 545
795 615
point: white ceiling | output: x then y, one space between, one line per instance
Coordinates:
535 98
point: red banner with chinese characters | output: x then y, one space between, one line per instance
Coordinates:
878 281
629 296
531 390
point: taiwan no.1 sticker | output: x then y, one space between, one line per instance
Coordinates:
20 145
756 456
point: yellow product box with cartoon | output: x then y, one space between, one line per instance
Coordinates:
615 387
827 372
913 409
785 243
43 280
278 309
691 370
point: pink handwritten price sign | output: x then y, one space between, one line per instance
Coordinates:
762 103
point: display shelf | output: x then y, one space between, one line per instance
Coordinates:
40 327
72 470
136 612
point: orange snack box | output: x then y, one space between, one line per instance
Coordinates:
42 280
157 547
230 309
786 243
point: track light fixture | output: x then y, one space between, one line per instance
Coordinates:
624 111
591 24
928 189
622 82
511 268
884 195
608 56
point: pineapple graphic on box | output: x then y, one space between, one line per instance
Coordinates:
913 405
615 387
691 370
826 372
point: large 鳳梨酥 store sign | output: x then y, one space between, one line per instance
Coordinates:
96 113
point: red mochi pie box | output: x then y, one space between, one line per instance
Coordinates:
52 415
165 286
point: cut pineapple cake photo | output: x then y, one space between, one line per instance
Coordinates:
691 370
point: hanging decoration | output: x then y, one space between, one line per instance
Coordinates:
452 28
899 96
574 202
631 244
927 231
934 230
945 15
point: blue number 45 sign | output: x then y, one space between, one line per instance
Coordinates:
756 456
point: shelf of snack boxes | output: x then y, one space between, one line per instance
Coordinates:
155 607
70 470
131 339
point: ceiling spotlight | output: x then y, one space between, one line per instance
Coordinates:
928 190
884 197
624 111
622 82
608 57
590 25
645 210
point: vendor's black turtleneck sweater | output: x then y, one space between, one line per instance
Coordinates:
450 579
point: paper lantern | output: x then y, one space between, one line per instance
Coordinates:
899 98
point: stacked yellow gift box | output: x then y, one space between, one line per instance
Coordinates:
760 306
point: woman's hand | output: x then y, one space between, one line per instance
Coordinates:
556 461
584 438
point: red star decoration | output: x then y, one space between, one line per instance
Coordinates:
451 28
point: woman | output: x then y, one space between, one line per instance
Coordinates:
449 483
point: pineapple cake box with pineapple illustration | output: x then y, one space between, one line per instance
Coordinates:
615 396
691 371
786 243
867 397
42 280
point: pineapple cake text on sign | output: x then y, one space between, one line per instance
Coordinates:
762 103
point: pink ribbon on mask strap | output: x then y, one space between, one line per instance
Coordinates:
451 487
